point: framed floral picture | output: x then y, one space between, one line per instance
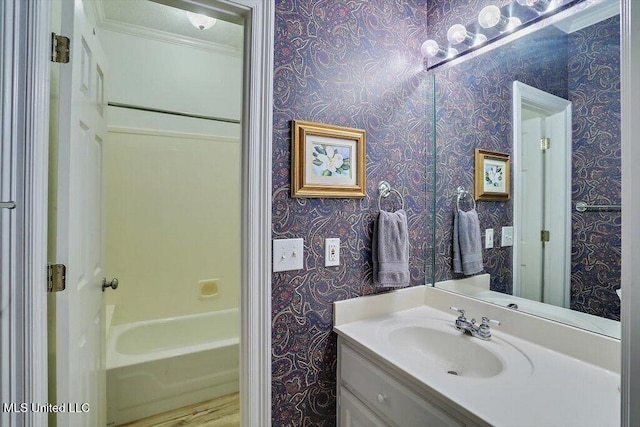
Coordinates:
492 175
327 160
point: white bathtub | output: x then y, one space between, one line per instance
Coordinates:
159 365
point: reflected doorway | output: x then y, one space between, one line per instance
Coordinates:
542 186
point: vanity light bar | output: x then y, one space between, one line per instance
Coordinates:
490 17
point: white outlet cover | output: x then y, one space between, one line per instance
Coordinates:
331 252
507 236
288 254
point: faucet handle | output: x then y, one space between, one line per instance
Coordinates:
484 330
458 310
486 321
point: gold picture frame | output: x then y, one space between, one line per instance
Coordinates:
492 175
327 160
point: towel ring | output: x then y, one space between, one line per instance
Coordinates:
384 188
462 193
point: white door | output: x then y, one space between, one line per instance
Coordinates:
557 210
542 189
543 264
532 209
80 360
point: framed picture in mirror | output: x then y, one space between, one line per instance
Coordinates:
492 175
327 160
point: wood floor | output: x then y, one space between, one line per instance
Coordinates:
221 412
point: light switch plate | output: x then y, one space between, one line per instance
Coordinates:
507 236
488 238
288 254
331 252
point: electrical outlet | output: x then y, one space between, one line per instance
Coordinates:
331 252
288 254
488 238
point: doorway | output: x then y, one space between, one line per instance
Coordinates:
172 211
542 186
159 186
254 332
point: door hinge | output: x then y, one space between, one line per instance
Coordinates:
60 48
56 277
544 235
545 143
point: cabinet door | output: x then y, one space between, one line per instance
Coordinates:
353 413
389 397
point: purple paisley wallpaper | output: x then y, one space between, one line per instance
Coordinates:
582 67
594 90
356 63
352 63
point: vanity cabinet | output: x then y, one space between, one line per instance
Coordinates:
353 413
372 395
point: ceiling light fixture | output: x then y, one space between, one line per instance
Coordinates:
201 22
491 16
458 34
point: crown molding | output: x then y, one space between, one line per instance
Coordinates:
159 35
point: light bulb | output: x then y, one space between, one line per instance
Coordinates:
513 23
457 34
202 22
539 6
491 16
479 39
430 48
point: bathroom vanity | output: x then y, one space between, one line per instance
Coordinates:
387 396
402 362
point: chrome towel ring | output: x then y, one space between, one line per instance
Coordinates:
384 189
462 193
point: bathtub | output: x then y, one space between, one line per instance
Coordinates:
159 365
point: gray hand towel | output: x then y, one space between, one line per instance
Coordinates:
467 243
390 249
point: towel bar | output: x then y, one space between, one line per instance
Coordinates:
583 207
462 193
7 205
384 188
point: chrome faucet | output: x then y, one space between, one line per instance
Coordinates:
482 331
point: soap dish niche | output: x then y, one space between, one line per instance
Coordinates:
208 289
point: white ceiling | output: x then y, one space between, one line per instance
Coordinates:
148 16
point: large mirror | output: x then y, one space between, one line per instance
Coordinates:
550 100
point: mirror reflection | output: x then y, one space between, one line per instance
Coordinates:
550 100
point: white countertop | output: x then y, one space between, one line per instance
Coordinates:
556 389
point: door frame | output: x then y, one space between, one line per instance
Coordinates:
545 104
24 96
630 311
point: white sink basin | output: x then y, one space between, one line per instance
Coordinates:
456 354
438 345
